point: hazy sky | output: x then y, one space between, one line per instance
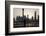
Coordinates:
27 11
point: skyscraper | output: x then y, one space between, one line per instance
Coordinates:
32 17
22 12
35 15
27 16
38 17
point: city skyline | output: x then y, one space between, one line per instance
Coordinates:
23 21
27 11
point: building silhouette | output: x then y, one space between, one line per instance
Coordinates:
27 16
22 12
38 17
32 17
35 15
23 21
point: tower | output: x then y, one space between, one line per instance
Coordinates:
22 12
27 16
32 17
35 15
38 17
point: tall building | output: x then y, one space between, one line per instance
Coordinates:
32 17
14 20
35 15
38 17
27 16
22 12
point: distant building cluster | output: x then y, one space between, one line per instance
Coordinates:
23 21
